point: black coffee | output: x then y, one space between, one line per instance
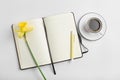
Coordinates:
94 24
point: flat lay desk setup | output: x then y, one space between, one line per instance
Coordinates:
57 45
35 38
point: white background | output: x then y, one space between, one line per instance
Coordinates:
101 63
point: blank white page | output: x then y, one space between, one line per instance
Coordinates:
58 29
37 42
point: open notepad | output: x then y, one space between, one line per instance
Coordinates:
50 34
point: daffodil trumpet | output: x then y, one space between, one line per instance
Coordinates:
23 29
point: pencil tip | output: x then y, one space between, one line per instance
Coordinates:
54 73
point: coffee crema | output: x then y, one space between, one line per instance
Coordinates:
94 25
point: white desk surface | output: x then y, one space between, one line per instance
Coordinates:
102 61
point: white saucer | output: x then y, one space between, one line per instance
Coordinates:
88 35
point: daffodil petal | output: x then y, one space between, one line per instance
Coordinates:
17 30
20 34
24 29
22 24
29 29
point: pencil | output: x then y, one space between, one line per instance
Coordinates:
72 40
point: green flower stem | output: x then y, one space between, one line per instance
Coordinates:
34 57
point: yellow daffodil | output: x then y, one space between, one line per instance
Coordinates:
23 28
